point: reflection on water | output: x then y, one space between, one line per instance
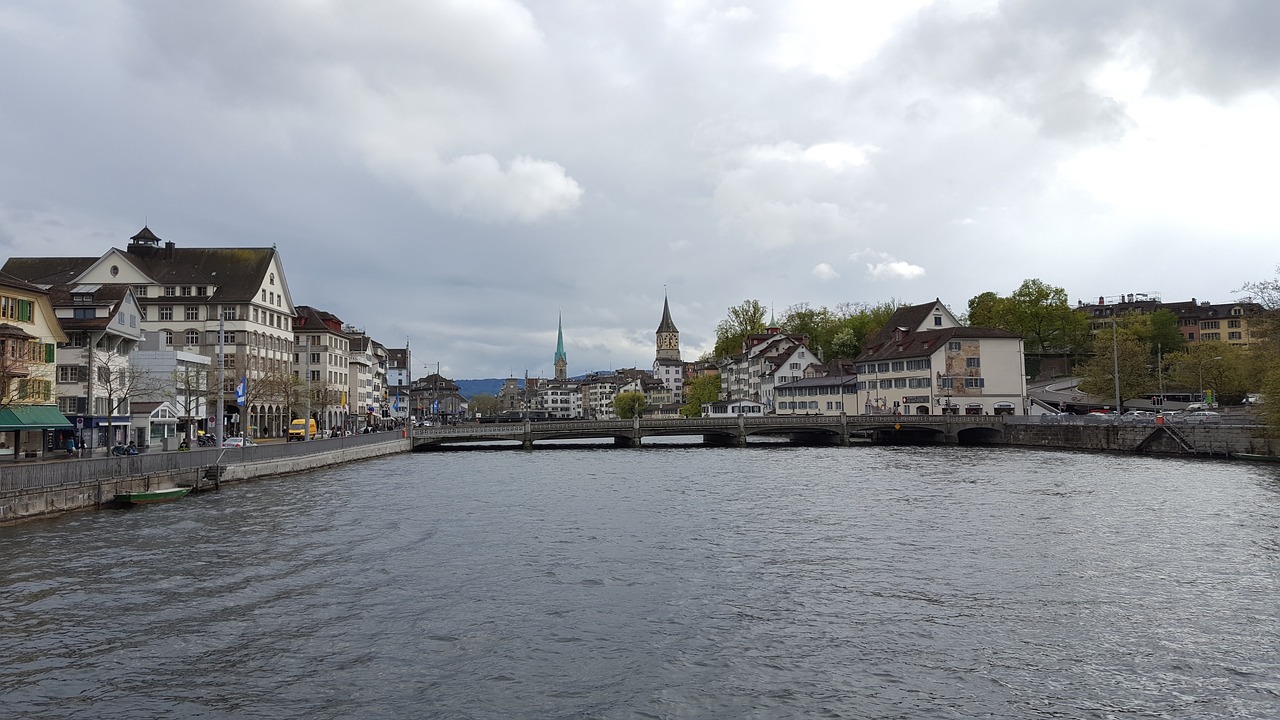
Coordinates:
664 582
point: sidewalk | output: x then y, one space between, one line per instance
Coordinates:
7 456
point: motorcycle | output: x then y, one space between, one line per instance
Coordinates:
122 449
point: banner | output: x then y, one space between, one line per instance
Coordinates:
242 389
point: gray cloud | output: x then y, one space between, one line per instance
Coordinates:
458 174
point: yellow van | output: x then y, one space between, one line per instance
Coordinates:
302 430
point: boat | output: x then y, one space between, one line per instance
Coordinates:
146 497
1255 456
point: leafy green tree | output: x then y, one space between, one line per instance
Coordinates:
820 325
627 405
699 390
1099 373
1227 370
1265 357
743 320
484 405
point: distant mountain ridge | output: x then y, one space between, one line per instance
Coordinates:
490 386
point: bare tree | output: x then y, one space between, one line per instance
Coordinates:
120 382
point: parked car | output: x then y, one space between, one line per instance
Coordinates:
1138 416
1252 399
238 442
1200 417
1195 407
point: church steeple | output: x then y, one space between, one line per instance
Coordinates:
667 336
562 360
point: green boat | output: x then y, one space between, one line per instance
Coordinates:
147 497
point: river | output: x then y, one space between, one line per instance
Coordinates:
663 582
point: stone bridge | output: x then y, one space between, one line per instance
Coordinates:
806 429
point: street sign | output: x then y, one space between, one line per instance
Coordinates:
79 423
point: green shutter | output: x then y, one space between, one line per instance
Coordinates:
24 310
50 352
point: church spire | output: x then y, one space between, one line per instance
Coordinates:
562 360
666 326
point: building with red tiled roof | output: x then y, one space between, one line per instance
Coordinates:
924 362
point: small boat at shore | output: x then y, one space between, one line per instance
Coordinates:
1255 456
147 497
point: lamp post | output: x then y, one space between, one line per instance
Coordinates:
1200 372
1115 361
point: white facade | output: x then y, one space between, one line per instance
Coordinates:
925 362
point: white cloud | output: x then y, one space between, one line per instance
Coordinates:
824 271
887 267
527 190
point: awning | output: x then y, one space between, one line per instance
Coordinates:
32 417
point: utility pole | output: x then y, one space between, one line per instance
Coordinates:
306 424
221 372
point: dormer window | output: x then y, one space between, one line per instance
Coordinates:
1237 310
271 278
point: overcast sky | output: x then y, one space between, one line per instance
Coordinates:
457 173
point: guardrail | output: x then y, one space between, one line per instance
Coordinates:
50 473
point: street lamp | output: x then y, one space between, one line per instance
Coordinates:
1200 371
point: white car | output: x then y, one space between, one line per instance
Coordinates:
238 442
1201 417
1138 416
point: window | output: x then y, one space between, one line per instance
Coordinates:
1210 336
166 337
170 291
972 362
1234 336
314 359
974 382
945 383
84 313
937 321
264 295
202 291
900 383
191 312
898 365
1237 311
228 312
166 312
882 367
1209 325
953 346
186 291
1191 337
68 373
794 366
140 290
193 337
1233 323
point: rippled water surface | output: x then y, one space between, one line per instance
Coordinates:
663 583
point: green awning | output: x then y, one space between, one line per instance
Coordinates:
32 417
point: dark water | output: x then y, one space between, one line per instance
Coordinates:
664 583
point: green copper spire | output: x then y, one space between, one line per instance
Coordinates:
560 338
562 360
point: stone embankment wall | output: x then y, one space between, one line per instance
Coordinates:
29 503
1206 439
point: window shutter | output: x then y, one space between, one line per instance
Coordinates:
50 351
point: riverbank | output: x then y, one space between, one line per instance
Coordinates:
33 490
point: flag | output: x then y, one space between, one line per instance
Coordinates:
395 404
242 389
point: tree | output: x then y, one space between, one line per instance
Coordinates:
1225 369
627 405
119 382
484 405
1265 358
699 390
743 320
820 325
1099 373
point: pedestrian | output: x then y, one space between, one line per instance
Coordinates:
71 446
